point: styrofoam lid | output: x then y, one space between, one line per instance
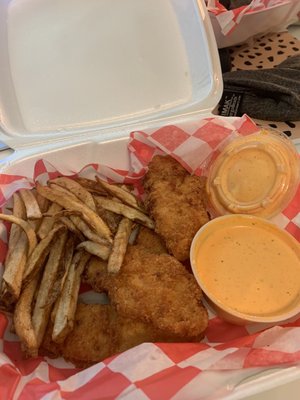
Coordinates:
69 67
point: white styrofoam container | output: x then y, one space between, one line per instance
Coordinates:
66 73
54 117
273 19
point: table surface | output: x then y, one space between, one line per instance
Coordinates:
291 45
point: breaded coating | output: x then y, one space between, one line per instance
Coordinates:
90 340
99 332
157 289
96 275
151 241
100 280
136 261
127 333
176 202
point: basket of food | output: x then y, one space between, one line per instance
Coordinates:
101 201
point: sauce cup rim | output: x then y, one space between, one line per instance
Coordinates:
247 318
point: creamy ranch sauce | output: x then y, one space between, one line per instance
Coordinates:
250 269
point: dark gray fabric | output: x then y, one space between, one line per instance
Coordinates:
225 60
269 94
231 4
238 3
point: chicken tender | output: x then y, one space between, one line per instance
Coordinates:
90 340
176 202
99 332
100 280
157 289
151 241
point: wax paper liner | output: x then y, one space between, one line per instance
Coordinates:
154 371
229 19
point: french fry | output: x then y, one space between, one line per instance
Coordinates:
72 227
126 211
62 271
14 267
6 298
64 191
22 319
112 219
125 187
16 256
42 308
61 276
67 303
43 205
32 208
19 211
38 256
95 249
48 222
87 231
68 203
31 236
119 246
42 202
117 191
77 225
63 213
91 186
79 191
35 224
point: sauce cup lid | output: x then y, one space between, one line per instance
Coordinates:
256 174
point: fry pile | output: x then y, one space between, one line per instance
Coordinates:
55 230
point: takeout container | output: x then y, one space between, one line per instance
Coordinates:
248 268
72 100
258 175
234 27
67 76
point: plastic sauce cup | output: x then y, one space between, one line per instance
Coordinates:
256 174
248 269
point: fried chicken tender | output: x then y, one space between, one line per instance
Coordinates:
100 280
151 241
90 340
99 332
176 202
157 289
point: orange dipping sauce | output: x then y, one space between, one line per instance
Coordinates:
248 268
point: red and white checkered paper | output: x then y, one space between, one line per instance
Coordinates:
229 19
154 371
